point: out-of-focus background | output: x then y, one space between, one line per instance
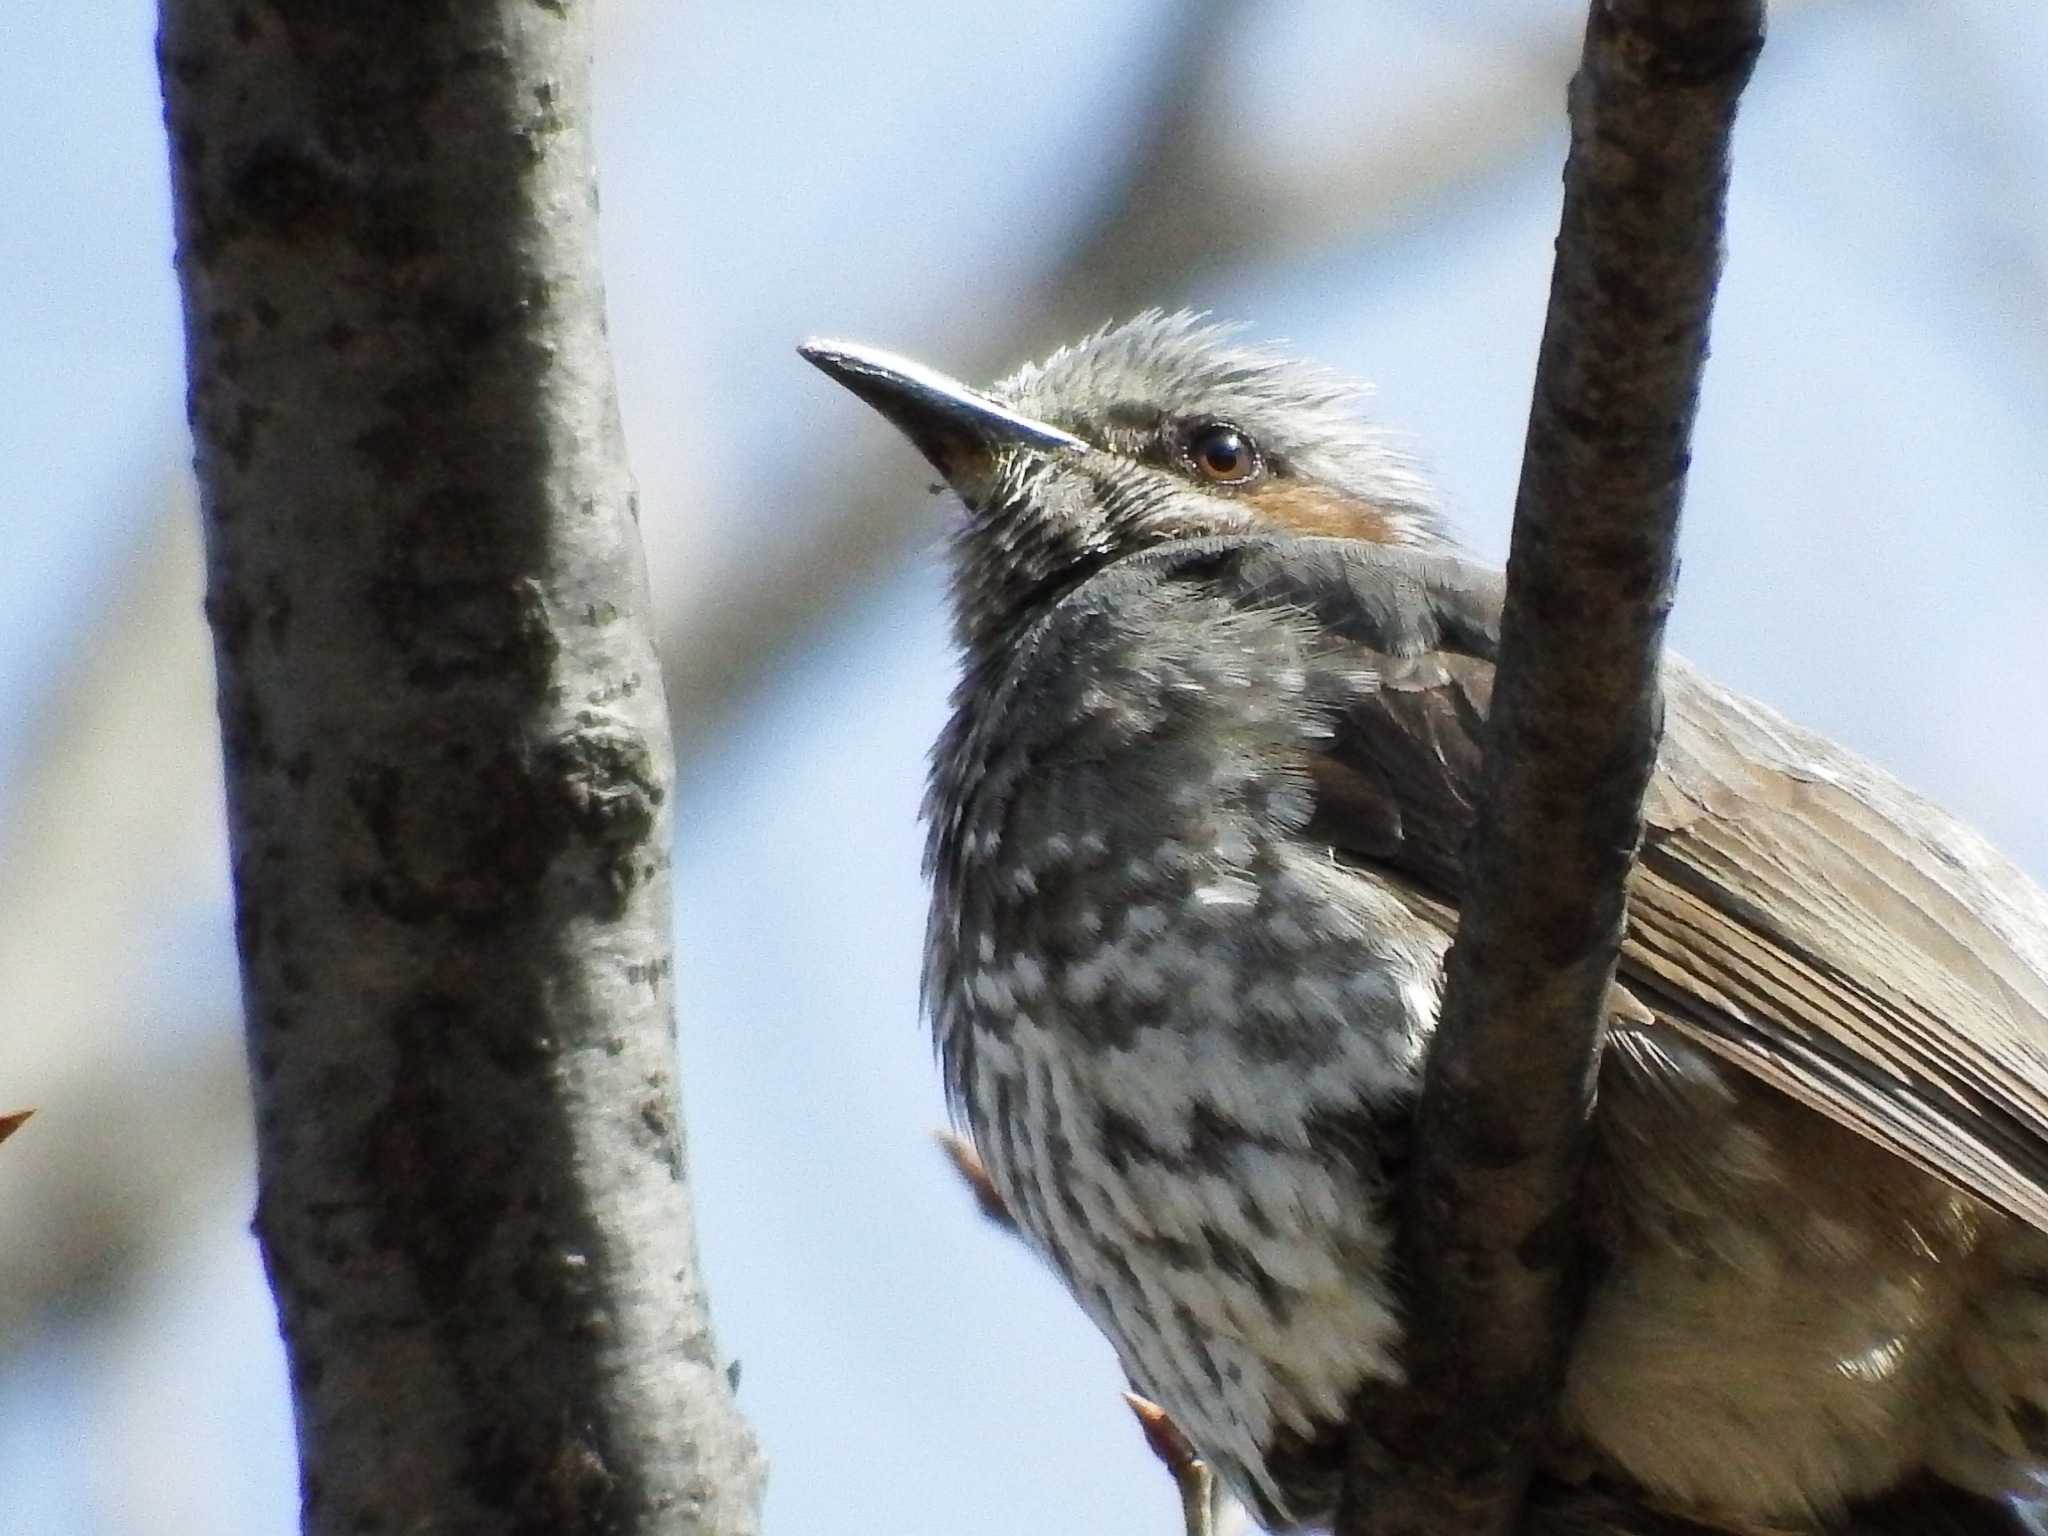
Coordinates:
1867 548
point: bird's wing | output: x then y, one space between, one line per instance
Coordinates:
1811 920
1793 909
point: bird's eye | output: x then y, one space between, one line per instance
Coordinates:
1220 453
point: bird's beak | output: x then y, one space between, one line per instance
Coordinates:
961 430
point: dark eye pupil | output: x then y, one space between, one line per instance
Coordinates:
1223 453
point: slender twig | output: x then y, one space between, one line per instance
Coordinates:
974 1174
1491 1229
1192 1478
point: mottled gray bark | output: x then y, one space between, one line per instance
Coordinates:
1491 1234
448 772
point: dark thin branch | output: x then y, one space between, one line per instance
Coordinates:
448 773
1492 1231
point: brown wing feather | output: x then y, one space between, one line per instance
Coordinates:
1811 920
1794 910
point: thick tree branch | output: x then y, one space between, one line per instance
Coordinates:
448 772
1491 1232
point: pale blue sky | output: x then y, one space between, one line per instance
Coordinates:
1865 548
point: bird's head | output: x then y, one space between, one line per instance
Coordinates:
1158 429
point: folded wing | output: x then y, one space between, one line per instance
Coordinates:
1793 909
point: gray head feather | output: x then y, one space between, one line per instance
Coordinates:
1040 522
1310 421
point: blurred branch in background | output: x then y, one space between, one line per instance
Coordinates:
116 822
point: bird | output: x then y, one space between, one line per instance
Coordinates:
1194 830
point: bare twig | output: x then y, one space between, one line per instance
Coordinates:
974 1174
448 773
1192 1478
1491 1234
